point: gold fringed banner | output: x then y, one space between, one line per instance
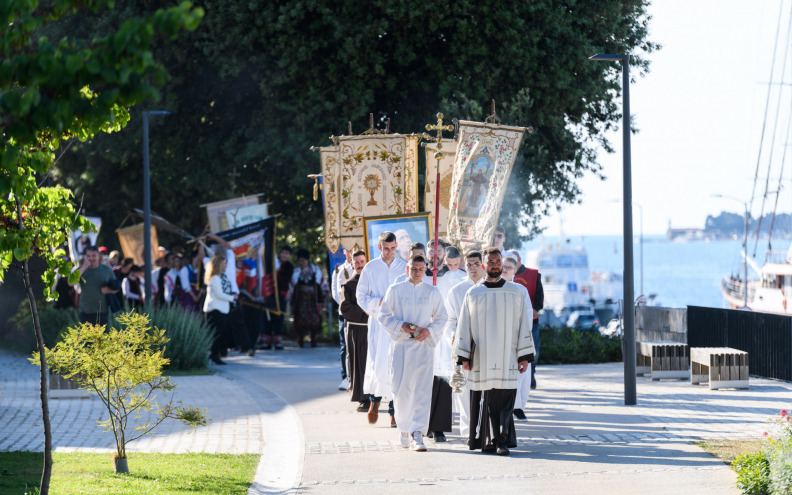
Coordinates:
446 175
378 176
330 188
484 159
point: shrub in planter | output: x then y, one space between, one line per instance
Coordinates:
753 473
572 346
54 322
190 337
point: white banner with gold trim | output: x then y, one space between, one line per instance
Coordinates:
484 159
446 176
331 178
378 177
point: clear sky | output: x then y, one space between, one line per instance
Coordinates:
699 112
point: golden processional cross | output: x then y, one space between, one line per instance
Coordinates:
439 156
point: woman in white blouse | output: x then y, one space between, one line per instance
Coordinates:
219 295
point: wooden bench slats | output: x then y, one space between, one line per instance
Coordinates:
662 359
721 367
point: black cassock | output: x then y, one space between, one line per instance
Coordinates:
440 417
491 412
356 339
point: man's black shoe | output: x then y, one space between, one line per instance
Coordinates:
502 450
519 414
439 436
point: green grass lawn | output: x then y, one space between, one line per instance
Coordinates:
161 474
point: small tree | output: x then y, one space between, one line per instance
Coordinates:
124 368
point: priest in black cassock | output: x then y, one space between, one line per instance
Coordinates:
494 343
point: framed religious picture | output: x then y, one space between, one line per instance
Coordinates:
409 228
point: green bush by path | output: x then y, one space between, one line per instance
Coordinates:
163 474
572 346
753 473
190 336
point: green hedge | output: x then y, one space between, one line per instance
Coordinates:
190 336
572 346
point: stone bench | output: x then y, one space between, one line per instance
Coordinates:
662 360
62 388
722 367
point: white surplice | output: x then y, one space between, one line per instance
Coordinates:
453 302
375 279
524 379
411 361
499 321
443 364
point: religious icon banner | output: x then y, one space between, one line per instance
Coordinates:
254 249
378 176
484 159
330 188
446 175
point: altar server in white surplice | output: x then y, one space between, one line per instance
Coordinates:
376 277
523 379
494 343
413 315
453 302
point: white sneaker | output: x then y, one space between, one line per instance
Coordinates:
344 385
405 439
417 444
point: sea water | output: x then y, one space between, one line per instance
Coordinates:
679 274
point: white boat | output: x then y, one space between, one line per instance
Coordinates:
569 284
770 293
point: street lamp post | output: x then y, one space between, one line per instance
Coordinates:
147 203
745 245
629 289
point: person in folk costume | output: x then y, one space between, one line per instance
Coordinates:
376 277
341 274
442 414
453 302
307 298
273 327
493 342
413 315
133 287
510 265
356 333
532 280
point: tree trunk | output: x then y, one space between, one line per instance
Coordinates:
47 472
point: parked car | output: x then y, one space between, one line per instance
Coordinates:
583 320
612 328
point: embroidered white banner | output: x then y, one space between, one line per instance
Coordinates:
378 176
484 159
331 176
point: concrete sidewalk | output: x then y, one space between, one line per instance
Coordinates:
579 438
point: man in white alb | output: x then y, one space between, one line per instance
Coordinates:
453 302
342 273
494 343
510 265
413 315
376 277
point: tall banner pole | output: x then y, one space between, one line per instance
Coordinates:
439 156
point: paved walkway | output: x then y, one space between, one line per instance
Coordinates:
285 406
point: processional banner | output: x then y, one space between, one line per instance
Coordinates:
254 249
216 212
79 241
132 241
376 175
331 170
446 175
484 159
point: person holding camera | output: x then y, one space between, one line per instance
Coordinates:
96 280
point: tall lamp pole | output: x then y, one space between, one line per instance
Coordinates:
147 203
629 289
745 245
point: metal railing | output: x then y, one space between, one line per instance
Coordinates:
766 337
